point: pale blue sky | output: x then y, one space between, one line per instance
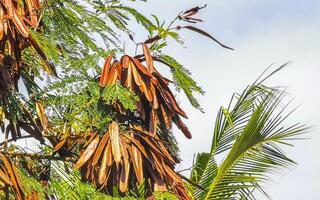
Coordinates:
262 32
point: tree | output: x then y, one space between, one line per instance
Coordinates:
104 132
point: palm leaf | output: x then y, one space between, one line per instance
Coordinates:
250 135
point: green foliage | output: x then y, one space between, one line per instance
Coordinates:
89 106
141 19
183 80
203 159
30 185
69 186
113 93
165 196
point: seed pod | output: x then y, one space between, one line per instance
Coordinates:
42 116
105 71
18 21
100 149
148 57
1 23
104 163
88 152
33 16
59 145
9 7
125 169
137 163
128 82
4 178
115 142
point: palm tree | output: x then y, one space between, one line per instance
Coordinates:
249 135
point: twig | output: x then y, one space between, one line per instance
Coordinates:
188 169
191 182
11 140
38 156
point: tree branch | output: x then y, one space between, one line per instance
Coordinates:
38 156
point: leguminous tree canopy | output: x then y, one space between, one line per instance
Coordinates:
98 119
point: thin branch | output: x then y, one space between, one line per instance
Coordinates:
39 157
188 169
191 182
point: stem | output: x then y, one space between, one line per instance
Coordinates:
168 28
6 188
174 20
38 156
7 193
188 169
5 143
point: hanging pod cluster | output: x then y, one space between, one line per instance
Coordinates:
127 159
9 177
17 18
157 104
136 153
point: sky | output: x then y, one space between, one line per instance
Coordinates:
262 33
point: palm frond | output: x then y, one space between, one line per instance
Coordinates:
250 133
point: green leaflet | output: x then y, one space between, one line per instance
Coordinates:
113 93
30 185
183 80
